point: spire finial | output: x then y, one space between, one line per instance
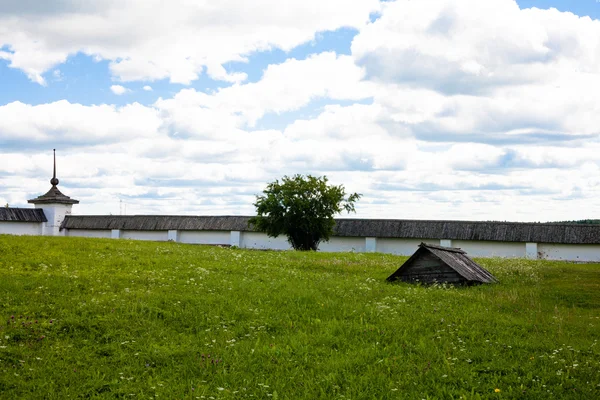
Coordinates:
54 181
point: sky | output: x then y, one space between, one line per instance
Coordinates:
431 109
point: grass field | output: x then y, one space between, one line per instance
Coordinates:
90 318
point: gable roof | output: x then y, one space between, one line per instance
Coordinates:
454 258
14 214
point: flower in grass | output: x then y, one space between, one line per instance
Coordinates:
497 390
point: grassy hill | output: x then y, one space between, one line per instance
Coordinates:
111 319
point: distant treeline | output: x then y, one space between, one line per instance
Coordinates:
581 221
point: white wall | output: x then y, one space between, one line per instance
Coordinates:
571 252
257 240
402 247
91 233
159 236
205 237
491 249
55 214
21 228
343 244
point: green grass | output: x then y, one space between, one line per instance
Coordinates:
89 318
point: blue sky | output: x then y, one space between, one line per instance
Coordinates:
451 110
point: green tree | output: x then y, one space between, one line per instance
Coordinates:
302 208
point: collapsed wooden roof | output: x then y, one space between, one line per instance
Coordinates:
454 258
381 228
14 214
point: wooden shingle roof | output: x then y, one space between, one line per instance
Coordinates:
14 214
471 230
53 196
382 228
156 222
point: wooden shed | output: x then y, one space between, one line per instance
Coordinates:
431 264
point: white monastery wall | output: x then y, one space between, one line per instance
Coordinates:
91 233
157 236
343 244
401 247
55 214
21 228
258 240
570 252
491 249
205 237
56 207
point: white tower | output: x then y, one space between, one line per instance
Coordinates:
55 205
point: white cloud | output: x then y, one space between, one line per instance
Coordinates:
473 47
119 90
485 72
445 110
26 126
175 40
147 88
284 87
57 75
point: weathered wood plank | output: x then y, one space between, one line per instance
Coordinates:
427 268
443 276
433 278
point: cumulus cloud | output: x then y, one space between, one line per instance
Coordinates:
469 110
57 75
28 127
147 88
283 87
119 90
473 47
484 72
176 40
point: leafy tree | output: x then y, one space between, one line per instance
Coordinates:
302 208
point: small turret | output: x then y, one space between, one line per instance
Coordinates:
55 205
53 196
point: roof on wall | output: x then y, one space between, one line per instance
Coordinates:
157 222
13 214
471 230
381 228
454 258
53 196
